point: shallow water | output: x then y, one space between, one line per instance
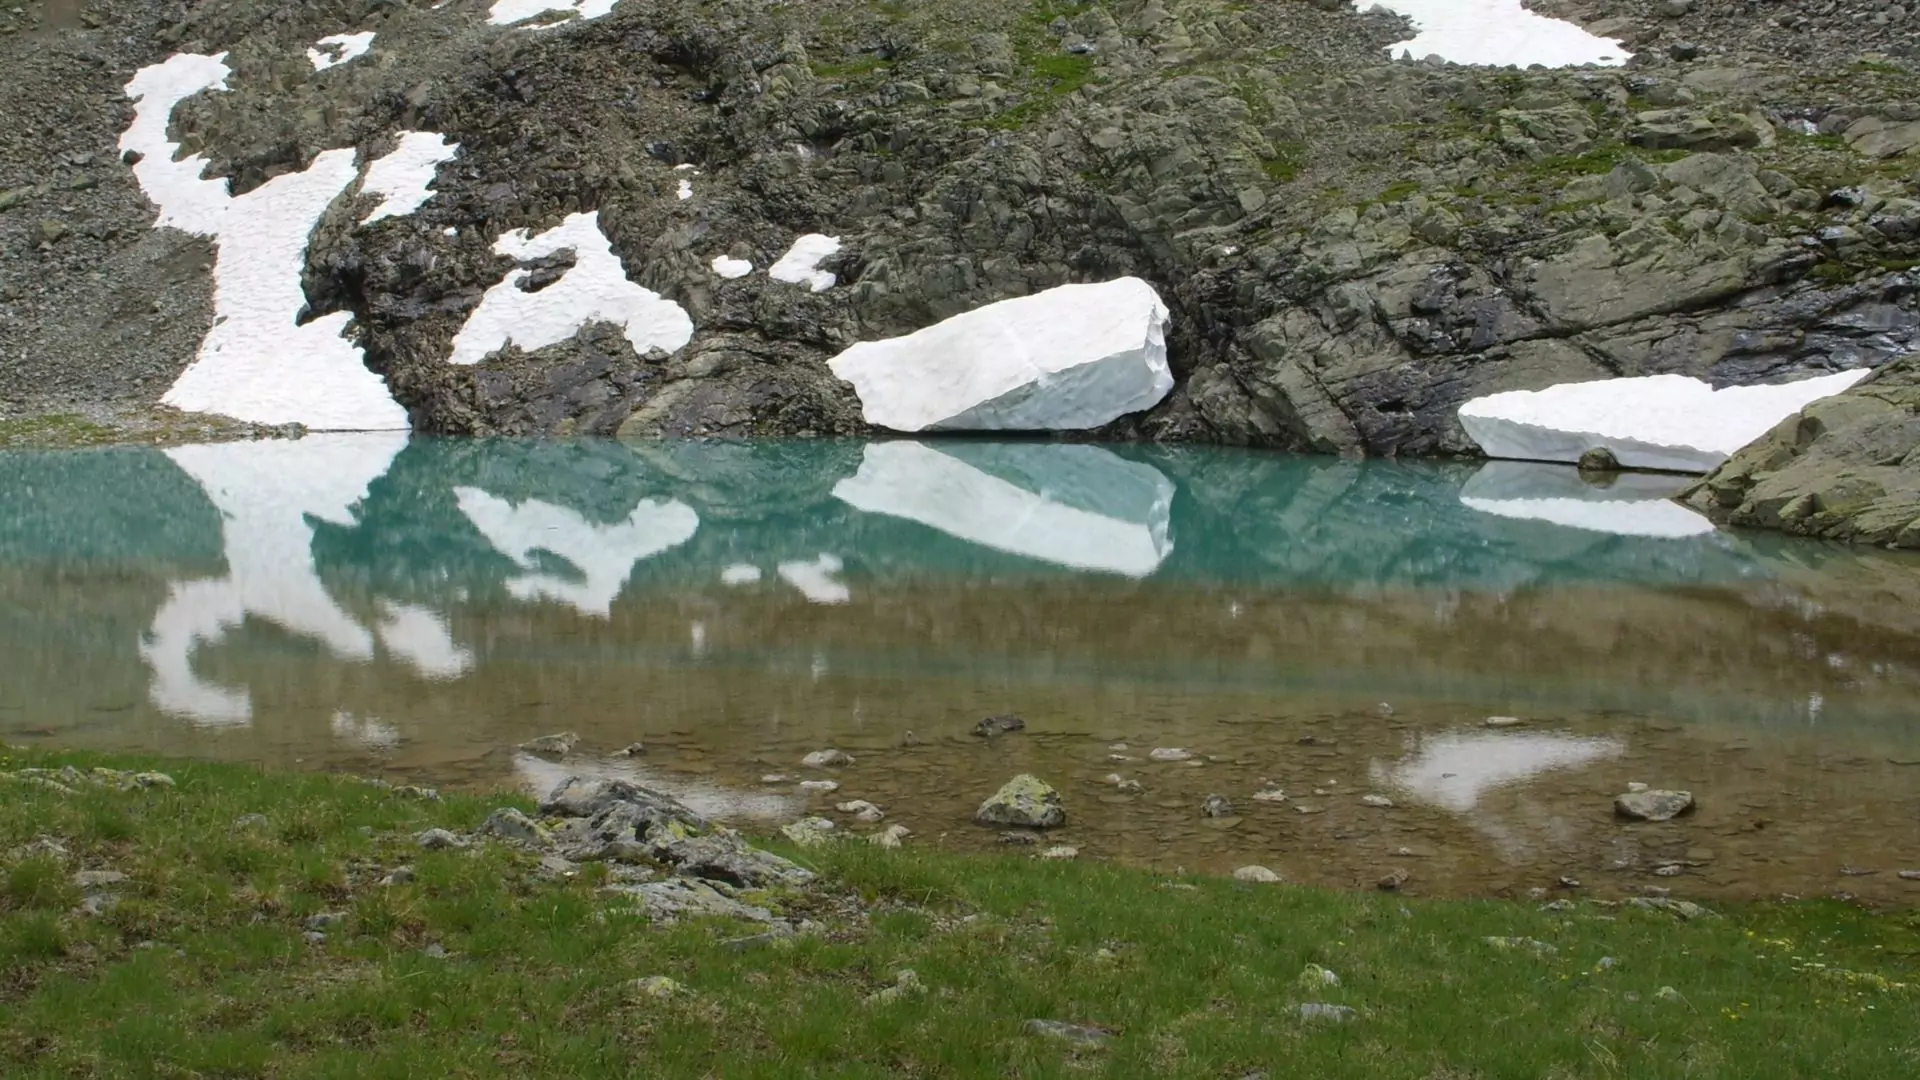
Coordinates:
1333 628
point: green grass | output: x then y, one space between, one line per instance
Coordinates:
202 968
59 429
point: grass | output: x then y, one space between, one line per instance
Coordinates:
202 968
59 429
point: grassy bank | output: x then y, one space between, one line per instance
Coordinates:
483 964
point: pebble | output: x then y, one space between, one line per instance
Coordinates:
632 749
1504 721
1084 1034
1666 993
1061 851
862 811
1380 801
1650 804
315 937
1669 870
808 832
1217 806
1125 786
1338 1014
822 786
98 904
1017 839
827 759
891 836
401 875
776 778
1169 753
1258 874
1270 794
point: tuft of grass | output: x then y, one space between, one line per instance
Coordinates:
203 966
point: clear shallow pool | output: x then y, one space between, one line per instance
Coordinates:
366 603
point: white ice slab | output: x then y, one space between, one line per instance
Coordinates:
1453 771
1077 506
1497 33
1633 504
801 264
402 178
510 12
816 579
730 268
336 49
267 493
595 289
257 363
1666 422
1076 356
603 554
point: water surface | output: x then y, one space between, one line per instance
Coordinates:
1332 628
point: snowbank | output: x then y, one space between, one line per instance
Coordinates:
401 178
800 265
729 267
1077 506
1632 504
336 49
1666 422
509 12
1076 356
595 289
1496 33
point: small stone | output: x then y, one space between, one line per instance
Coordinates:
315 937
1558 906
250 821
1169 753
809 832
52 230
1026 801
1674 9
1537 894
1082 1034
1314 977
1634 787
1017 839
1337 1014
776 778
823 787
1683 50
655 986
435 951
1669 870
1257 874
439 840
1393 879
415 791
1503 721
1910 875
633 749
98 879
132 157
557 745
1217 806
890 837
400 875
1666 993
1512 944
325 920
904 983
1061 851
152 779
995 726
1606 963
1270 794
511 825
1384 709
862 811
827 759
1380 801
1653 804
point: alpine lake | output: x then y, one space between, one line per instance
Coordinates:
1438 672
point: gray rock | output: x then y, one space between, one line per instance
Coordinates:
862 811
995 726
827 759
1217 806
1061 851
1026 801
509 824
1315 977
809 832
400 875
656 986
905 984
1522 944
1169 753
98 879
1338 1014
248 822
439 840
1258 874
558 745
325 920
1653 804
1079 1034
678 898
890 837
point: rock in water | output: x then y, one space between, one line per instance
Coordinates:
1653 805
1668 422
1025 800
1599 460
999 725
1071 357
552 746
1217 806
827 759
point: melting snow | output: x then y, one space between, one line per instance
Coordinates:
1633 504
1497 33
595 289
1076 356
1453 771
800 265
1077 506
509 12
1654 422
603 555
400 178
685 191
336 49
815 579
729 267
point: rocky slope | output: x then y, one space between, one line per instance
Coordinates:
1351 246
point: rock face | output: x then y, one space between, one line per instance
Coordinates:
1068 358
1666 422
1846 467
1027 801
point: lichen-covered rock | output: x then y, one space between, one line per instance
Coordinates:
1027 801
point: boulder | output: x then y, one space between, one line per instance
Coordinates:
1069 358
1653 804
1257 874
1025 800
1668 422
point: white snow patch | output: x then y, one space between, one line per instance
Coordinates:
685 190
1497 33
1454 770
1075 356
1119 524
728 267
1666 422
1633 504
815 579
596 289
336 49
267 494
401 178
603 555
801 264
509 12
740 574
420 636
256 363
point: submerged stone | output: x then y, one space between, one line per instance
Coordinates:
1068 358
1026 800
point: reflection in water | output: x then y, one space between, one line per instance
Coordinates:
420 636
1629 504
815 579
1452 771
1075 506
600 556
